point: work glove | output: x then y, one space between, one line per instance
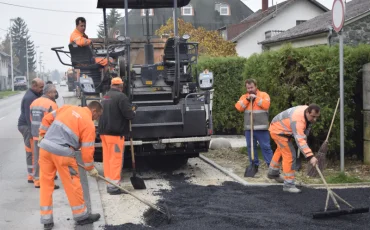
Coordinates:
314 161
40 139
93 172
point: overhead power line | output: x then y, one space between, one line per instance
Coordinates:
51 10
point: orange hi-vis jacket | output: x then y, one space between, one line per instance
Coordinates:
38 109
292 122
79 38
261 107
68 129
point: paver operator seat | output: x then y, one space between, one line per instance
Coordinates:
83 58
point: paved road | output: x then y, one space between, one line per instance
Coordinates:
19 200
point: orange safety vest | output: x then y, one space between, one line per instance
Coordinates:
79 38
261 107
38 109
68 129
292 122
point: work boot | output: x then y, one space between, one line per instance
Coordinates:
91 219
117 192
55 187
291 189
48 226
56 177
277 178
30 181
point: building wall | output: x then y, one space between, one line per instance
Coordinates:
355 33
300 10
3 73
312 41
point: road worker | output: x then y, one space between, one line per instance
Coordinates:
261 104
292 123
112 129
62 133
81 39
39 108
24 122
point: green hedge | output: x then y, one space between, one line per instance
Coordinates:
228 75
294 77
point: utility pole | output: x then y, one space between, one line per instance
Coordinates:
11 52
28 76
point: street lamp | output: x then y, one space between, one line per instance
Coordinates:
28 76
11 51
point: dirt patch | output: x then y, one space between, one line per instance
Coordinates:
236 161
234 206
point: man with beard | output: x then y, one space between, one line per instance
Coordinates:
261 104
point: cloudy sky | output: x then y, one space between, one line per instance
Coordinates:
51 29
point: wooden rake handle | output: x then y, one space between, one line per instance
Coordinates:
119 187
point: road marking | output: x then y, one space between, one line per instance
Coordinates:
1 118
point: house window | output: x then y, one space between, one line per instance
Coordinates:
187 10
224 10
300 22
143 12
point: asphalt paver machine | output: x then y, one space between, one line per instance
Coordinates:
174 115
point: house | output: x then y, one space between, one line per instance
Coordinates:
4 62
269 21
319 31
210 14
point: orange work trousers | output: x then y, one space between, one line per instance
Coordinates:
285 150
68 171
113 147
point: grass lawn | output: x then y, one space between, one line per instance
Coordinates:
7 93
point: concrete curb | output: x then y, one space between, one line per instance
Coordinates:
95 201
246 183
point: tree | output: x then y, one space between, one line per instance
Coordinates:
5 47
19 33
112 20
210 42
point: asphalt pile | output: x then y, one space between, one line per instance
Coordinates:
234 206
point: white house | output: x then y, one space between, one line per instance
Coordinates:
270 21
4 62
318 31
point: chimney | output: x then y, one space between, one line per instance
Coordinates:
265 5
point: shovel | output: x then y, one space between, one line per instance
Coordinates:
252 168
136 182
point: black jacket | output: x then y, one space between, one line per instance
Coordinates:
117 111
28 98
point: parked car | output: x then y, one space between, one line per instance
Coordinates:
63 83
20 83
55 82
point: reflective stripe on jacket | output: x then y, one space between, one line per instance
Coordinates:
292 122
69 128
38 109
261 107
79 38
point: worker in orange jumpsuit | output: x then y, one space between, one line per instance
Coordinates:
113 126
261 104
62 133
38 109
292 123
79 37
